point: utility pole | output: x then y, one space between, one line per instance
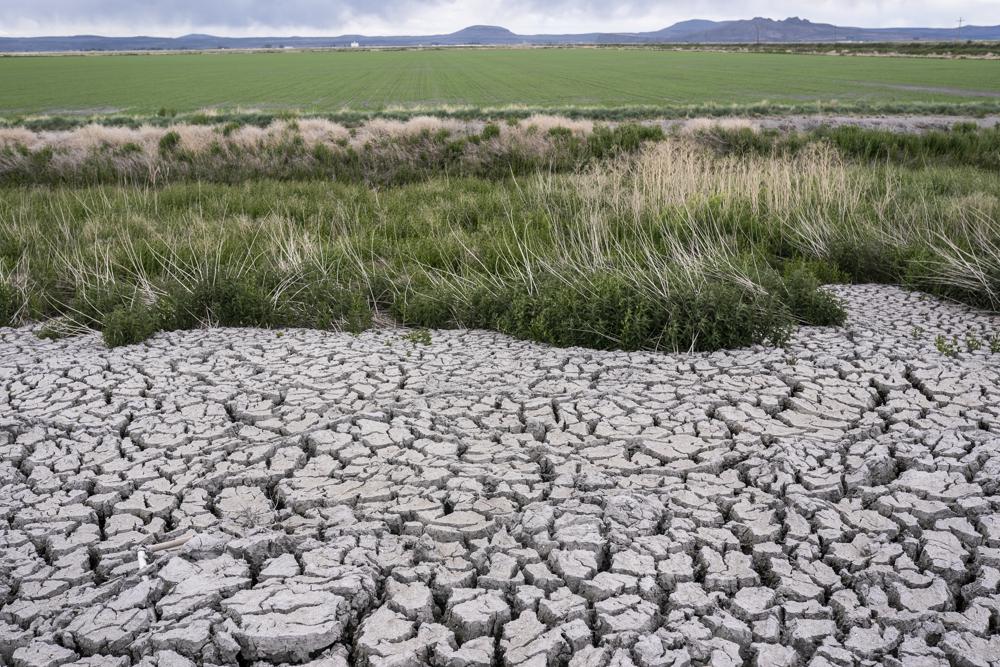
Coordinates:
960 19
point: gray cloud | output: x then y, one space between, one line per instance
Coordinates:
257 17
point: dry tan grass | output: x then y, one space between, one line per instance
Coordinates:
318 131
679 173
248 136
93 137
381 129
75 145
11 137
544 124
196 138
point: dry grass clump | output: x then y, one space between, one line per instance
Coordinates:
546 123
319 131
196 138
91 138
14 137
816 183
249 137
381 128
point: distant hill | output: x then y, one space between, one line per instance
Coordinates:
790 30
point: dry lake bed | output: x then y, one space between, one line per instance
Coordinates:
240 497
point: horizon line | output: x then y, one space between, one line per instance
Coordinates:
333 35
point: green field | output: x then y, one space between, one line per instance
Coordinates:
482 78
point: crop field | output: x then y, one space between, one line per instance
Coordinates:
484 79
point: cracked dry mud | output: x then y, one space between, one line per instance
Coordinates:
482 501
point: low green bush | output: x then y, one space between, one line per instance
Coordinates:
612 314
128 325
806 301
607 141
169 143
605 311
825 272
233 300
9 304
490 131
228 301
965 144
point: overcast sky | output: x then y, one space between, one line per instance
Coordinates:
398 17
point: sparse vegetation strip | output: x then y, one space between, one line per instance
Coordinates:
395 152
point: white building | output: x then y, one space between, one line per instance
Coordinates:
355 45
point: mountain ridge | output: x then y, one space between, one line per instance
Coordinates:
757 29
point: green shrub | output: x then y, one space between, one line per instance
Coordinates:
323 304
738 141
324 155
807 302
169 142
41 159
826 272
227 300
9 304
128 325
423 305
626 138
609 312
868 260
490 131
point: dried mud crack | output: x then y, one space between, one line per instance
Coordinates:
481 501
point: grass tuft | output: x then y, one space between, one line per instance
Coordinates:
128 325
810 304
9 305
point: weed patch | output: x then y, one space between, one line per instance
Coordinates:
9 304
128 325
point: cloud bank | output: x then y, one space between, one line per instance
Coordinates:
410 17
